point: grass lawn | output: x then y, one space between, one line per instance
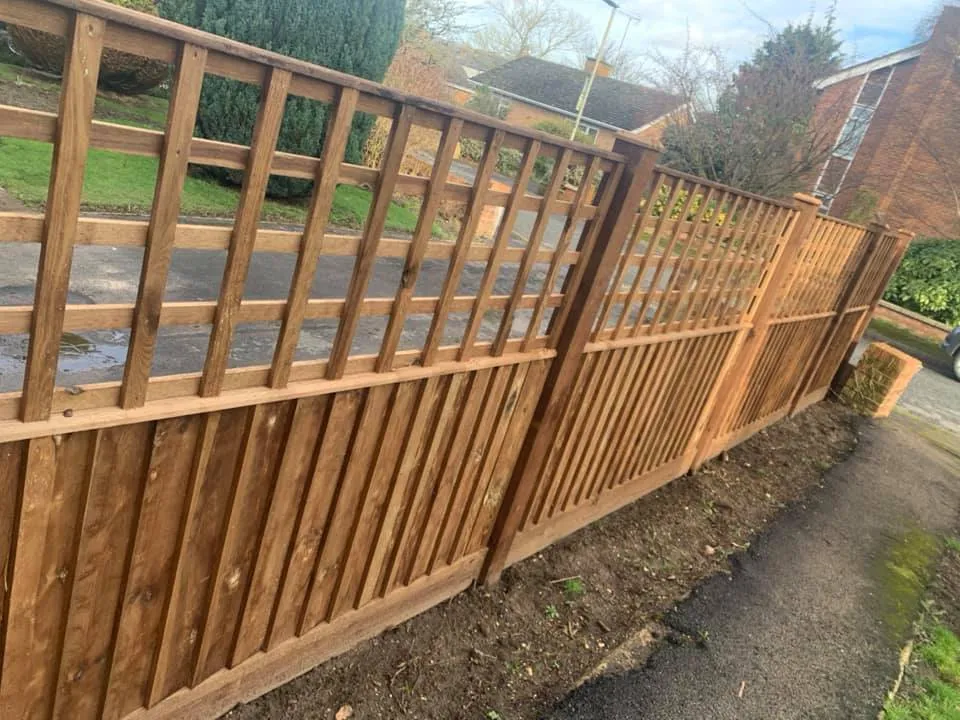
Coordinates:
906 337
931 689
119 182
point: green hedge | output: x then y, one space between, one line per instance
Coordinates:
928 280
358 37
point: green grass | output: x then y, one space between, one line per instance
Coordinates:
935 694
953 544
574 588
120 182
910 341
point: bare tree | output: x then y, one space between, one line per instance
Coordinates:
924 27
625 64
442 19
537 28
699 75
756 128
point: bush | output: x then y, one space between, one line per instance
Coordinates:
928 280
358 37
119 71
544 167
484 101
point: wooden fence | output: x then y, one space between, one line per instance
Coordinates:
173 544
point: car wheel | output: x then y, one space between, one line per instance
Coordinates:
956 365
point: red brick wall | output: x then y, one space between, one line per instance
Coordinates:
872 149
908 159
521 113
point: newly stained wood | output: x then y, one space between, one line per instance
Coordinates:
77 95
171 545
161 233
265 132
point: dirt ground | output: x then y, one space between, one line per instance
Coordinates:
510 651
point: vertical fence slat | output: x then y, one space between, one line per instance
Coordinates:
730 387
598 267
677 269
903 241
62 210
501 243
563 243
252 193
871 241
367 257
421 238
162 229
325 187
649 255
468 228
606 192
550 199
719 260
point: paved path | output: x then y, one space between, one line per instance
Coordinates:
810 622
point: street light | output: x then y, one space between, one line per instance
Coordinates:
588 83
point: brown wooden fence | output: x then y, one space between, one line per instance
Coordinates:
175 543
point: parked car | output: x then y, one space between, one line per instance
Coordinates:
951 346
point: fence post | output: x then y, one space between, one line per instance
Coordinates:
735 375
875 231
633 185
904 238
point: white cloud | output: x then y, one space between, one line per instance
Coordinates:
867 27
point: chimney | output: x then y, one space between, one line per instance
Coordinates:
603 68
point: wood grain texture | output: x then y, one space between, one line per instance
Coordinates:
77 95
161 233
266 129
376 222
55 483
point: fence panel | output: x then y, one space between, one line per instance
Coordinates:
231 450
684 291
313 461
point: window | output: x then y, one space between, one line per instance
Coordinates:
832 177
853 131
873 88
852 134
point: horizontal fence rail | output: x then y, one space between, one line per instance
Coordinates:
303 435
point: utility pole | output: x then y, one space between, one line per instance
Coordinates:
588 83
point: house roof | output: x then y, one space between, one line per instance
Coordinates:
611 102
868 66
462 62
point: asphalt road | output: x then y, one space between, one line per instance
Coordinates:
811 620
111 275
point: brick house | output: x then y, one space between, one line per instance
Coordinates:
535 90
896 147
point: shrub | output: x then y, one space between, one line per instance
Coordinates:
484 101
119 71
358 37
863 209
414 70
928 280
544 167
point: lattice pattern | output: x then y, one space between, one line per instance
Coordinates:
828 262
694 259
486 296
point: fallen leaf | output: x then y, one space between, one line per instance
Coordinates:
344 713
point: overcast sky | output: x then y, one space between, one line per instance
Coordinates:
868 27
